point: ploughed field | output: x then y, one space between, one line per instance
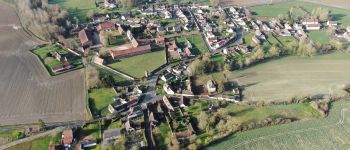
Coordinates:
293 76
321 134
27 91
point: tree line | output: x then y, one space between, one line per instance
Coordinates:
40 18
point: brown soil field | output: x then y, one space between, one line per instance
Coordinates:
345 4
27 91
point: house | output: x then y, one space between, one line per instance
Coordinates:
311 24
106 26
168 89
61 67
167 104
211 86
313 27
85 38
98 60
130 52
67 137
88 142
310 21
167 77
332 23
112 134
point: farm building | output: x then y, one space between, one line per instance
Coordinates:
106 26
130 52
67 137
111 135
85 38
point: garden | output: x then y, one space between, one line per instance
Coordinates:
58 60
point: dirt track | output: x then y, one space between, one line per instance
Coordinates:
27 91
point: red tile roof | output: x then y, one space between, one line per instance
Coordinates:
67 136
130 51
105 26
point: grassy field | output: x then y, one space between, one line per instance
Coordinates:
319 37
41 143
198 45
292 76
100 99
137 65
340 15
242 114
322 134
76 8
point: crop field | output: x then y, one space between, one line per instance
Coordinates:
321 134
137 65
273 10
334 3
77 8
291 76
28 92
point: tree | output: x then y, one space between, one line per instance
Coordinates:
203 120
41 124
192 146
321 13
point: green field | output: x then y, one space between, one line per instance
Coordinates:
137 65
340 15
41 143
319 37
100 99
321 134
76 8
292 76
198 45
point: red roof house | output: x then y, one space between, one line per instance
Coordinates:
67 137
84 38
106 26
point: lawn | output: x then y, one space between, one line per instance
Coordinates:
247 39
218 58
198 45
93 129
100 99
137 65
76 8
319 37
291 76
162 137
116 40
115 124
340 15
321 133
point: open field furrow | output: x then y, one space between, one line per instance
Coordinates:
28 92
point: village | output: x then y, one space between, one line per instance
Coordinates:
159 98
